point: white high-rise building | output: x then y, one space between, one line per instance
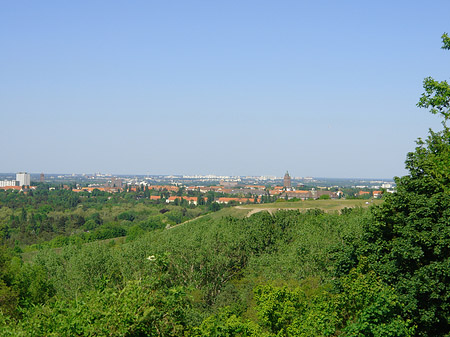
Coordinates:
23 178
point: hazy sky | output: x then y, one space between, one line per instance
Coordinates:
319 88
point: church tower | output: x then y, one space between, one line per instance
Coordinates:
287 181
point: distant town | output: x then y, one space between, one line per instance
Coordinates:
192 189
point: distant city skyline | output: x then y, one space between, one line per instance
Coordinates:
52 175
322 89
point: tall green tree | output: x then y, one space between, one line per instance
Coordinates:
408 241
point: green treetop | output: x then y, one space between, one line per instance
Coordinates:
437 94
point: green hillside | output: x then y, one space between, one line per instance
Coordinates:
204 272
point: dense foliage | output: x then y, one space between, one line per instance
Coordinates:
59 217
407 243
263 275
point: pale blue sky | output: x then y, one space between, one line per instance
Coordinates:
319 88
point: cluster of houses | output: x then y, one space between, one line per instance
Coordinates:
194 200
173 199
18 188
235 194
375 194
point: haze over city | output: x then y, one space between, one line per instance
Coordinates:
322 89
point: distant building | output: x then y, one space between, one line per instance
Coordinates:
377 194
287 181
245 191
5 183
304 195
114 182
23 178
190 200
228 184
238 200
42 178
363 193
